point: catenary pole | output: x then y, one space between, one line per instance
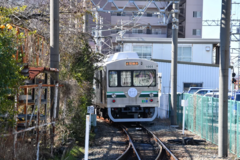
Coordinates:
54 57
223 79
174 63
54 34
85 17
54 44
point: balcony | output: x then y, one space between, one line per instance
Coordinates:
145 19
143 33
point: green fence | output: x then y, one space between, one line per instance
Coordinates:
202 119
179 108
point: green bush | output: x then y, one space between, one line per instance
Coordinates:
10 77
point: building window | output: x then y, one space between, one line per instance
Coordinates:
144 52
186 86
149 31
137 31
121 14
149 14
197 14
197 32
157 31
185 54
117 48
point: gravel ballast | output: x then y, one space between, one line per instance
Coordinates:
109 143
204 151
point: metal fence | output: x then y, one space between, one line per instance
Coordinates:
163 109
202 119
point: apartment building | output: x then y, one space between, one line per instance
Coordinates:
150 23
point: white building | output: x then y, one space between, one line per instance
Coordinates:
196 60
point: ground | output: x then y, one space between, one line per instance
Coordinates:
109 142
204 151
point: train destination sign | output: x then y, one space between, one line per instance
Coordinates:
131 63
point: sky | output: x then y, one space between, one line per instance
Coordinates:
212 11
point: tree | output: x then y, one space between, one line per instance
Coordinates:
77 74
77 58
10 77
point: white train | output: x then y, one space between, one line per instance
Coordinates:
127 90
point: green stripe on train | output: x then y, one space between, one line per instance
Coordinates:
118 94
115 92
146 93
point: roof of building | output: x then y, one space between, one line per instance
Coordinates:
32 72
188 63
124 55
167 40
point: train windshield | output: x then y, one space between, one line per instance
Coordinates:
144 78
126 78
113 78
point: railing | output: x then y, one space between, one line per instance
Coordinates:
141 32
202 119
135 14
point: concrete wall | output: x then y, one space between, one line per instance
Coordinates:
163 51
193 23
207 75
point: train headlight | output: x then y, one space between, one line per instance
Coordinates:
113 95
151 95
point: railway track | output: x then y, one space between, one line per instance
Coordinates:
144 145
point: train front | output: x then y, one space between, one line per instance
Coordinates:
132 90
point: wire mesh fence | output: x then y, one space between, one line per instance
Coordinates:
201 118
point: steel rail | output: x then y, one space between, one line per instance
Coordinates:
160 149
156 141
159 141
130 143
125 152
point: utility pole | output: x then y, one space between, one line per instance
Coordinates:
54 34
54 57
96 36
85 17
100 34
174 62
223 79
54 44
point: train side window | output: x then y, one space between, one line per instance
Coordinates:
126 78
113 78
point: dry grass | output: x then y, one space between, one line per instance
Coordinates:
24 151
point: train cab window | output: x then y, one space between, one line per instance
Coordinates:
113 79
144 78
126 78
